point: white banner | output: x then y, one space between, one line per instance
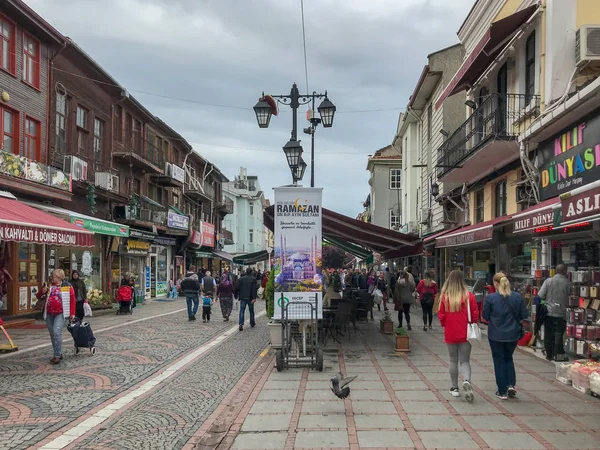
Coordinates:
297 256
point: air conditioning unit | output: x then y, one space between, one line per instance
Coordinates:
413 227
159 216
587 44
77 167
146 215
167 168
425 215
107 181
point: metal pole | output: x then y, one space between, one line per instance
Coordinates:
312 146
294 104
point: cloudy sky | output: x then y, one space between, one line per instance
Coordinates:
367 54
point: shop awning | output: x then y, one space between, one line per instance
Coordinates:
372 237
151 202
430 240
490 46
354 250
177 210
540 215
472 234
98 226
22 223
223 255
251 258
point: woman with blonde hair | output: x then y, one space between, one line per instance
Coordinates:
504 310
453 314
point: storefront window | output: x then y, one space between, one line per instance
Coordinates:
519 262
29 280
87 262
162 270
577 256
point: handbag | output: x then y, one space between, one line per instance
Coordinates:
87 310
521 330
473 330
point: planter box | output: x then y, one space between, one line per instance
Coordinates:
402 344
275 334
386 327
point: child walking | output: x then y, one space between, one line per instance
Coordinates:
207 302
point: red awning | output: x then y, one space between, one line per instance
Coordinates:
540 215
22 223
472 234
431 239
492 43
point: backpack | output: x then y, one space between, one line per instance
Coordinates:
54 306
124 294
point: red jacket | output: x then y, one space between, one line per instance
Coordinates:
431 289
455 323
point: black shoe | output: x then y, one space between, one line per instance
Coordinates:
252 326
501 396
424 328
204 321
194 317
409 327
512 392
241 327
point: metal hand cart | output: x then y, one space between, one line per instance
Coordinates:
300 337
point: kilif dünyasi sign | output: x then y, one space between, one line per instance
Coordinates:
581 206
297 261
571 159
533 220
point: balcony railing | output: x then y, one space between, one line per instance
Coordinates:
225 205
18 166
496 117
227 235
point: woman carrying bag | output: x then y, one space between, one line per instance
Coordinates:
504 310
427 290
403 298
457 314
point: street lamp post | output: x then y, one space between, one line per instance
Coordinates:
267 106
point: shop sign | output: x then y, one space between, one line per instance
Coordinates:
135 247
570 159
581 206
178 221
465 238
108 228
208 234
196 238
177 173
86 263
204 255
140 234
534 220
162 288
166 241
21 233
147 277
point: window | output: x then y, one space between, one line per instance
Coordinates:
31 60
137 135
60 146
98 139
251 208
118 123
81 130
394 220
429 120
7 53
165 152
479 206
176 200
33 130
501 199
251 237
395 178
530 67
128 131
9 122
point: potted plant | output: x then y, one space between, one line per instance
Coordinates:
402 340
274 325
386 325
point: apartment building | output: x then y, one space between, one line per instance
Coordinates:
384 204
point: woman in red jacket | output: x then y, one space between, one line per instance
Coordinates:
453 316
427 289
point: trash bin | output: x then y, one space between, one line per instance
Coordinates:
139 297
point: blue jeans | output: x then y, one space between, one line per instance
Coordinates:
504 366
55 326
189 299
243 304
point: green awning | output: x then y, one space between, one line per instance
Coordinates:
151 202
353 249
251 258
177 210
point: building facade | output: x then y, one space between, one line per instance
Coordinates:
384 204
246 224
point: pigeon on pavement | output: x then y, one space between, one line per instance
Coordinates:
340 385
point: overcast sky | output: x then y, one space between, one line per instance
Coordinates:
367 54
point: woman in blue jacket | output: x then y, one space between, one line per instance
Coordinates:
504 310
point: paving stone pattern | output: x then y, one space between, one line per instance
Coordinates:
403 402
37 398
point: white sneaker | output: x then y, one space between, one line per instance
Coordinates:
454 392
468 391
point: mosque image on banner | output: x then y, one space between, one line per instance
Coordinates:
298 247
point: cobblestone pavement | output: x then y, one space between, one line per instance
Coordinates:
37 399
403 402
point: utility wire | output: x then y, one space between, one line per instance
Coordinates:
304 44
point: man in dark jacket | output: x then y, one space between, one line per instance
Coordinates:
246 293
362 280
555 292
208 283
191 287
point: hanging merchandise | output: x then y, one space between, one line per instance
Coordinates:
91 197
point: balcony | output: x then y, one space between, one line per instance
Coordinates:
23 175
487 140
225 206
197 191
227 237
141 158
174 176
148 214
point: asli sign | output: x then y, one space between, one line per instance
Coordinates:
20 233
581 206
571 159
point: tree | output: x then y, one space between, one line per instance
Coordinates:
333 257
